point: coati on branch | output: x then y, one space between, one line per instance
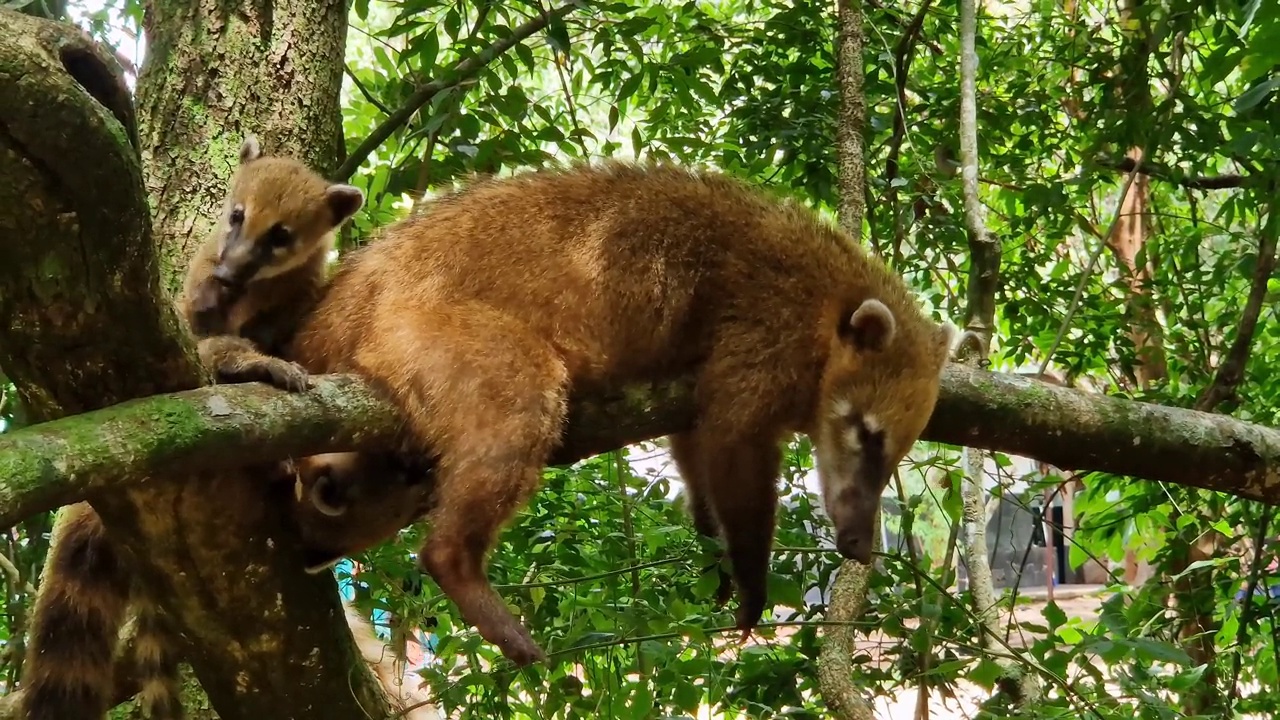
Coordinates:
256 279
264 267
478 315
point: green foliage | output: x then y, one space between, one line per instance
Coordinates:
606 570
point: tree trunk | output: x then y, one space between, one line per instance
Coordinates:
215 71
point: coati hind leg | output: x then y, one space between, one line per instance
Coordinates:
490 397
684 451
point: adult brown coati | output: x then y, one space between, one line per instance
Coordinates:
478 315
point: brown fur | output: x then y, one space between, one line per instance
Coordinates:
79 608
479 314
264 267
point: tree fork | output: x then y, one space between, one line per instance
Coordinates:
86 325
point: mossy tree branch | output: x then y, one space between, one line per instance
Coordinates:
58 462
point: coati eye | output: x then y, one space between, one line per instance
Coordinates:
279 236
237 215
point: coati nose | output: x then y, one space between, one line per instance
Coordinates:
854 546
224 275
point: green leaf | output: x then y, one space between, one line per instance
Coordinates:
1255 95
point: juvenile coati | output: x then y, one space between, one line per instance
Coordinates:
246 287
264 267
478 315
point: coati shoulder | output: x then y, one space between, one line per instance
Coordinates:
479 314
264 266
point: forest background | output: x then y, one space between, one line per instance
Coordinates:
1116 243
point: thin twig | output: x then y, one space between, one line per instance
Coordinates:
365 91
1231 372
1246 614
462 71
1160 172
1088 271
902 55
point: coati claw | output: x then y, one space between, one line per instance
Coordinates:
288 376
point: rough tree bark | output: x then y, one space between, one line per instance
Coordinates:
1016 687
86 325
844 698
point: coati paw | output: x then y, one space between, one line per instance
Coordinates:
520 649
750 610
287 376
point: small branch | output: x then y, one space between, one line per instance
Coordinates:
934 47
984 279
835 658
837 684
365 91
851 118
1161 172
1231 372
902 55
464 70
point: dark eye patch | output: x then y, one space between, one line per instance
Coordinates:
278 236
872 442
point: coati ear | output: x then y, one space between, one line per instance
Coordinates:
250 150
344 201
328 497
871 326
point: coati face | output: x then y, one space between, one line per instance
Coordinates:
278 214
879 389
348 502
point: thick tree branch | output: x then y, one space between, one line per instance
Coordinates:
463 71
57 462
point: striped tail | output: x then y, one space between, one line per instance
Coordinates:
79 608
156 648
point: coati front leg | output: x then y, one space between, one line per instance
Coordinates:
489 397
235 360
685 453
737 468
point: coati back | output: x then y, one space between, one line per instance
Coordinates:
246 288
478 315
